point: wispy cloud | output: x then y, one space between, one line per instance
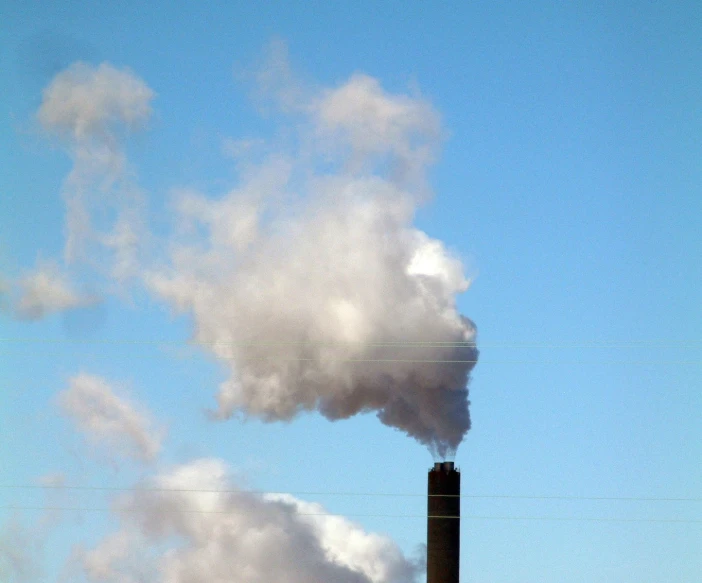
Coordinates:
45 291
86 103
110 420
21 552
274 80
91 109
372 126
23 543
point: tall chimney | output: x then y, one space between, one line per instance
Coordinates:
443 523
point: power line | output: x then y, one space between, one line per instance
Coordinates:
639 362
404 345
359 494
394 343
423 516
475 361
397 343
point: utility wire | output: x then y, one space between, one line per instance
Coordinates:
459 361
481 361
423 516
365 494
398 343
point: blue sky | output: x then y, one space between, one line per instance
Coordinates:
566 146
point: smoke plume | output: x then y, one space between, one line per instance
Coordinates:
45 291
191 524
23 542
20 553
310 281
91 109
107 419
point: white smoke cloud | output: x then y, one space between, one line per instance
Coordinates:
119 558
45 291
308 279
177 534
372 124
275 80
23 542
376 556
311 283
90 109
109 420
21 551
84 103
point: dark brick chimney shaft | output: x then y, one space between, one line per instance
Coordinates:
443 524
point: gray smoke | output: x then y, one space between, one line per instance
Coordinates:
91 110
310 281
21 553
46 290
23 542
108 419
190 524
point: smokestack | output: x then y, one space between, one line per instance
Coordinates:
443 523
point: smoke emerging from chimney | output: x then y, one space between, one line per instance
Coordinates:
309 280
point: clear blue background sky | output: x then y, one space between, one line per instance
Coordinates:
569 183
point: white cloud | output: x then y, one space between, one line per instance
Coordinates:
108 419
181 535
45 291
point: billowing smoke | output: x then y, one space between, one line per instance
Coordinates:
310 281
192 523
181 527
